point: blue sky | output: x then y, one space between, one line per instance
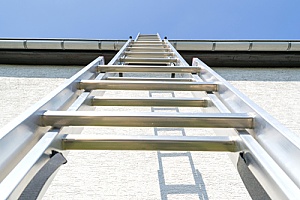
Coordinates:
116 19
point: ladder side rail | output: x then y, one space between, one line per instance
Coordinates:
115 59
279 142
19 136
158 36
16 181
137 37
182 61
38 157
270 176
261 175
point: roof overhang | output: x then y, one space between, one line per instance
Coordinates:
235 53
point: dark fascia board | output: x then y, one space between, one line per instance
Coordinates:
212 58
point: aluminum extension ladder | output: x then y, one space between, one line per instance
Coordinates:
30 145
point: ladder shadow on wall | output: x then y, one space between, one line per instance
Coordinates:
198 186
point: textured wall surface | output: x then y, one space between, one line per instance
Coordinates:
151 175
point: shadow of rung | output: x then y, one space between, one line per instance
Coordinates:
182 189
161 92
180 154
168 129
197 189
175 109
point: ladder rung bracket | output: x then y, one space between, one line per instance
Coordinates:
131 119
15 177
151 79
277 183
147 85
138 68
166 102
152 143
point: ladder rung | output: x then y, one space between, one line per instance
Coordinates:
166 102
129 119
148 42
149 45
147 85
132 53
154 143
148 49
146 60
148 35
149 38
139 68
151 79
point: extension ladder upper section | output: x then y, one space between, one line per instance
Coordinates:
266 145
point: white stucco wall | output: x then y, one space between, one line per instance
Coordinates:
139 175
